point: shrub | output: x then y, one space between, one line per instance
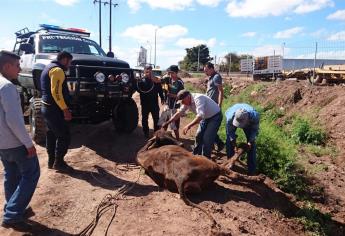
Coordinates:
304 132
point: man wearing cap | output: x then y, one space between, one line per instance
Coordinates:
208 116
172 84
215 92
149 91
17 152
243 116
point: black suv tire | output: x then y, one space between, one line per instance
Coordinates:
37 124
125 116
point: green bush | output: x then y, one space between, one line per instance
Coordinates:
304 132
315 221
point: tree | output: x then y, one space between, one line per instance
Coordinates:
235 62
190 61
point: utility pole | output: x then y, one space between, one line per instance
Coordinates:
314 63
100 21
155 46
110 5
229 64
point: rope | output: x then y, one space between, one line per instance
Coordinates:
109 203
147 91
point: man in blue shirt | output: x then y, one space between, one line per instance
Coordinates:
243 116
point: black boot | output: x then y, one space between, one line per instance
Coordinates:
61 165
51 160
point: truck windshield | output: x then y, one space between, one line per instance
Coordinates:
69 43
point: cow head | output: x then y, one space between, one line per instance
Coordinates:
161 138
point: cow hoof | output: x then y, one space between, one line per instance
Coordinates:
261 178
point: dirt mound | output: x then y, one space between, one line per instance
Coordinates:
184 74
64 204
327 105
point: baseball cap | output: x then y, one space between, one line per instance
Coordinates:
182 94
241 118
173 68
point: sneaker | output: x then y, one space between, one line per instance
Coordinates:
62 166
29 212
21 226
51 160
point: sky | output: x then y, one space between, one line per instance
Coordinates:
292 28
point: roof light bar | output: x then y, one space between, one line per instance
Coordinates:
58 29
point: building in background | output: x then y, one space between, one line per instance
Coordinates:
142 57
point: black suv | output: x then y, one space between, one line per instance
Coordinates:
101 86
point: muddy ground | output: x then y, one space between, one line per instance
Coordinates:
104 161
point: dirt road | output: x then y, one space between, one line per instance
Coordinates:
104 161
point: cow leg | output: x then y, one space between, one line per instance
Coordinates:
234 175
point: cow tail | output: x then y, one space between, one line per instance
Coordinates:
181 189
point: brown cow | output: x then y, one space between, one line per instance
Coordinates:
172 167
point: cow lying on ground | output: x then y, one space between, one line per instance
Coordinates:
172 167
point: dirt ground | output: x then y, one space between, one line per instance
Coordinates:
104 161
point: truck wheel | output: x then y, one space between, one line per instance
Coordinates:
125 116
37 124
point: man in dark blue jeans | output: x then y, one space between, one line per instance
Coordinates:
55 101
242 115
17 152
208 116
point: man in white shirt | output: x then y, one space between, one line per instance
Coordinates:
17 152
208 116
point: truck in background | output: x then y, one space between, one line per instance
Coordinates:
268 67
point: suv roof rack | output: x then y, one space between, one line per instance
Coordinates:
23 34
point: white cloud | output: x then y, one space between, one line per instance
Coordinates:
340 36
313 5
174 5
319 33
164 57
263 8
288 33
267 50
146 32
336 55
46 18
210 3
66 2
134 5
338 15
7 43
249 34
192 42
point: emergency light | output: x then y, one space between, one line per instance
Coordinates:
58 29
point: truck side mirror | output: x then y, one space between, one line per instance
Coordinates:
27 48
110 54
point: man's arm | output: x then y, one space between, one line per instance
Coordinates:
196 120
160 92
218 81
172 119
14 117
57 77
221 95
